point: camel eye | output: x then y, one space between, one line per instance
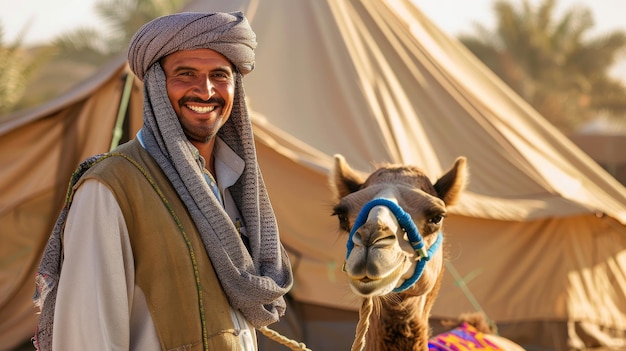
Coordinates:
436 219
342 216
343 222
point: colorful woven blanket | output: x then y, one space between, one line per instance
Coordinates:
462 338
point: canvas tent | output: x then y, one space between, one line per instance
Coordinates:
538 240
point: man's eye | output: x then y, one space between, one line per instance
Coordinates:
220 76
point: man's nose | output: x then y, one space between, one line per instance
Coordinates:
205 89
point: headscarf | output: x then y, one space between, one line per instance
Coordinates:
254 280
227 33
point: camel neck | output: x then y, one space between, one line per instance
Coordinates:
399 324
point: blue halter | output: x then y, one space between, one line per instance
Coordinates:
415 238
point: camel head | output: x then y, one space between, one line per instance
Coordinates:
381 258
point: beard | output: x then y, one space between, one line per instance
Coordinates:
201 131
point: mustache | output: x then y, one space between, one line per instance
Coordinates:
213 100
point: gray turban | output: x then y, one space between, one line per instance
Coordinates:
227 33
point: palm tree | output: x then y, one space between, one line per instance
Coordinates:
16 68
78 53
552 62
122 19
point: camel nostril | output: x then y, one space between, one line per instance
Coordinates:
383 240
357 239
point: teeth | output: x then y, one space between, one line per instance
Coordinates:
200 109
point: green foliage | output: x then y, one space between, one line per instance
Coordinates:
122 18
16 68
553 63
73 55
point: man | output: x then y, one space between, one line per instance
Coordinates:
170 242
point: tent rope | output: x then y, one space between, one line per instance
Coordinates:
292 344
363 325
461 283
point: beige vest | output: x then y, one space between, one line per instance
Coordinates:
186 301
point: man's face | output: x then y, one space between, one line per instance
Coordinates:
201 88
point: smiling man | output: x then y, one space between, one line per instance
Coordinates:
169 242
201 87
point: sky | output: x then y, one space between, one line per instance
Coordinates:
41 20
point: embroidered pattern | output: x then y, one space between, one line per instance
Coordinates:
462 338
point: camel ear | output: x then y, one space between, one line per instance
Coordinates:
451 184
344 180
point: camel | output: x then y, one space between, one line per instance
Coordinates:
394 221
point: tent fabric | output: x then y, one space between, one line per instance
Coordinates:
538 239
38 153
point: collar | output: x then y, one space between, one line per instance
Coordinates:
228 165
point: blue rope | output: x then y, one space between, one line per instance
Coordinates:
415 238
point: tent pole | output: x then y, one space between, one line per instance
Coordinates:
118 130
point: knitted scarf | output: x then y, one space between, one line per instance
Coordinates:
255 282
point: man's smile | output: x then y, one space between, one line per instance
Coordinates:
201 109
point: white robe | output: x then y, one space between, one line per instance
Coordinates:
99 306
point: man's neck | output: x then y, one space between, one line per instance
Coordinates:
206 151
